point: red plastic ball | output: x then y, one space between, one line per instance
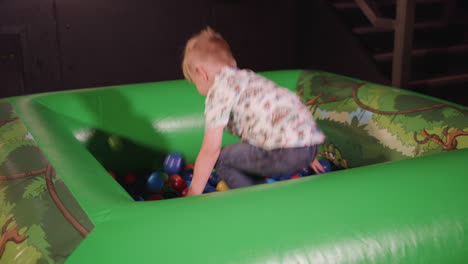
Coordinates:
177 182
113 175
295 176
184 192
130 178
189 167
154 197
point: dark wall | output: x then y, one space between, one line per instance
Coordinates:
262 34
326 43
11 64
69 44
121 41
32 23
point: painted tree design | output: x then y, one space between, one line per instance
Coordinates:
53 194
10 234
45 184
435 122
450 142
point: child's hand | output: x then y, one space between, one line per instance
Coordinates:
191 192
317 167
206 159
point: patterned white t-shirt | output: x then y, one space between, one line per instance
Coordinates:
259 111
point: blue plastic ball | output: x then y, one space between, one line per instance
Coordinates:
188 183
275 177
209 189
285 177
281 177
174 163
155 181
137 198
214 179
270 180
306 171
187 175
325 164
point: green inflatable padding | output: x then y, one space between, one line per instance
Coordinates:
401 196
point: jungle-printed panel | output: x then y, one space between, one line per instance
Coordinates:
367 123
40 221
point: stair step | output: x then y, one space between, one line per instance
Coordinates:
432 65
453 92
439 81
352 4
354 17
387 56
439 64
452 88
449 35
420 25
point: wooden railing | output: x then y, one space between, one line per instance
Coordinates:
403 25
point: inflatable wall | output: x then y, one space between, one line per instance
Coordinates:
397 192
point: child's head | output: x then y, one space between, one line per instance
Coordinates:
205 53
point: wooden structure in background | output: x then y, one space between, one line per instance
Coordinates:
403 26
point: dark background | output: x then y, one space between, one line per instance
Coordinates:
50 45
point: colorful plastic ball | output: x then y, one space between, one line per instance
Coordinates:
113 175
174 163
188 183
285 177
177 182
209 189
187 175
154 197
275 177
165 176
184 192
137 198
270 180
174 178
295 176
155 181
115 143
170 195
129 178
167 188
306 171
189 167
214 179
222 186
281 177
326 165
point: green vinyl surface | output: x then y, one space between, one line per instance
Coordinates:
400 211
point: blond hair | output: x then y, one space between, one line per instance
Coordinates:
205 45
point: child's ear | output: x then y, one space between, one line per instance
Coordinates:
202 72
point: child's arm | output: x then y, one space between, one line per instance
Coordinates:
206 160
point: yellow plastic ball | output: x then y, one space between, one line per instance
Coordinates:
222 186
